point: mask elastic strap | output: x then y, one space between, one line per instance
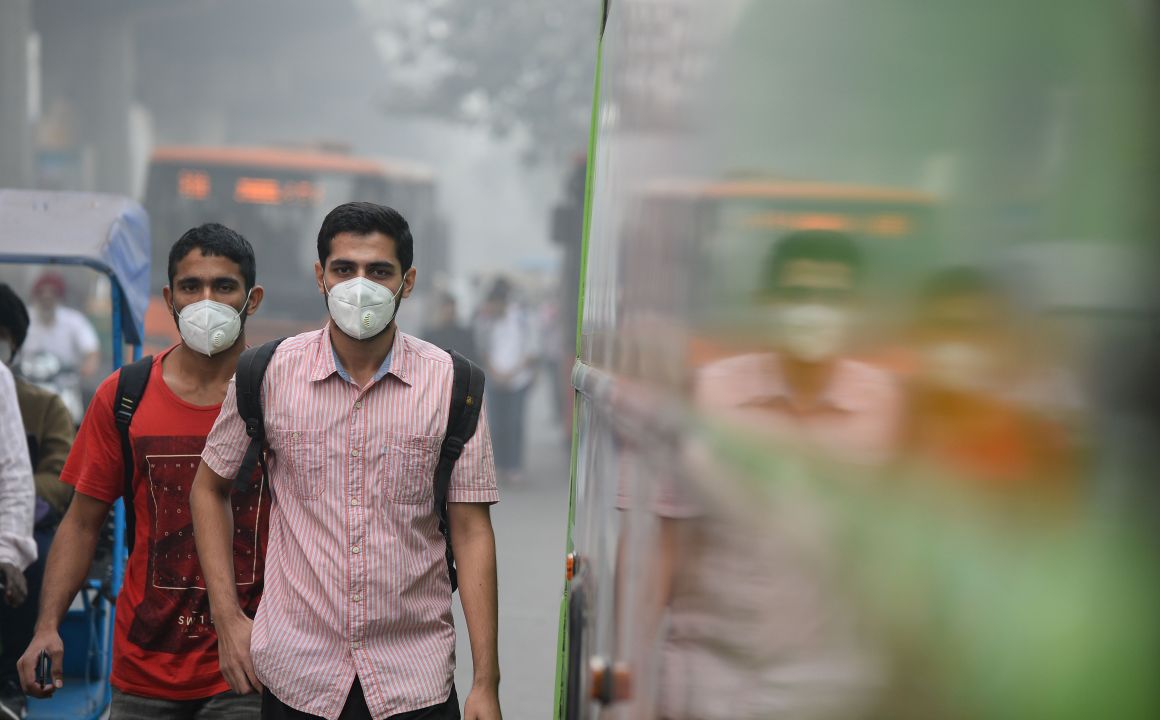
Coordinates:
246 304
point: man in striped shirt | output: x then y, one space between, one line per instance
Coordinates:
356 618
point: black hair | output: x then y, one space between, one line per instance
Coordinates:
501 290
818 245
215 239
364 218
13 316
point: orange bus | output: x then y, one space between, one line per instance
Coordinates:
276 198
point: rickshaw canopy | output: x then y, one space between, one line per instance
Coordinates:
108 233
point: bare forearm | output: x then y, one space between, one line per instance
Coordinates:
68 565
475 558
213 528
91 364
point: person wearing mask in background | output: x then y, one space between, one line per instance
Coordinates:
356 621
49 430
165 662
755 628
58 329
509 355
446 332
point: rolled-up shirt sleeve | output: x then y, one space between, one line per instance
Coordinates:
17 487
226 444
473 480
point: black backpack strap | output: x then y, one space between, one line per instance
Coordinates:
466 401
248 386
130 388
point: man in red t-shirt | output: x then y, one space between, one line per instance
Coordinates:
165 662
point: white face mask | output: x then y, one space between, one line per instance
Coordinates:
360 308
813 332
209 327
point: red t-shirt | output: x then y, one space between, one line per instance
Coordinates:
165 645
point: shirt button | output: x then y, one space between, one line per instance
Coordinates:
354 501
357 598
293 436
356 645
358 405
355 550
354 453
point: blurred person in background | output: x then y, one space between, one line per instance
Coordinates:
49 430
971 415
165 647
756 627
62 352
17 495
554 362
17 510
508 349
445 330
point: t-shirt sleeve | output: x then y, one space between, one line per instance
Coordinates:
473 480
95 466
226 444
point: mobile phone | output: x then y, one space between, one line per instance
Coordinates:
44 669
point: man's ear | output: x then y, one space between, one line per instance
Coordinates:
256 294
318 273
167 296
409 282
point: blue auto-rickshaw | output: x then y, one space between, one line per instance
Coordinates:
109 234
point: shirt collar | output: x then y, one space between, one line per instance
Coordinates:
397 362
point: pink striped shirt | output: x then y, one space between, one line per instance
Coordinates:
356 580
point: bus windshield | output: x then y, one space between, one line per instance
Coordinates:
277 210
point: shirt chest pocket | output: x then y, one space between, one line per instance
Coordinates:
407 465
303 453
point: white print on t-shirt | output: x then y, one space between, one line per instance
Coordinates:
173 552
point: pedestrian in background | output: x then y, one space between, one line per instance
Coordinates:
49 432
509 353
17 496
445 330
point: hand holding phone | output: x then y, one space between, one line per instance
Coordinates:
44 669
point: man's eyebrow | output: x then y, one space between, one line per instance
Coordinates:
375 265
213 280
